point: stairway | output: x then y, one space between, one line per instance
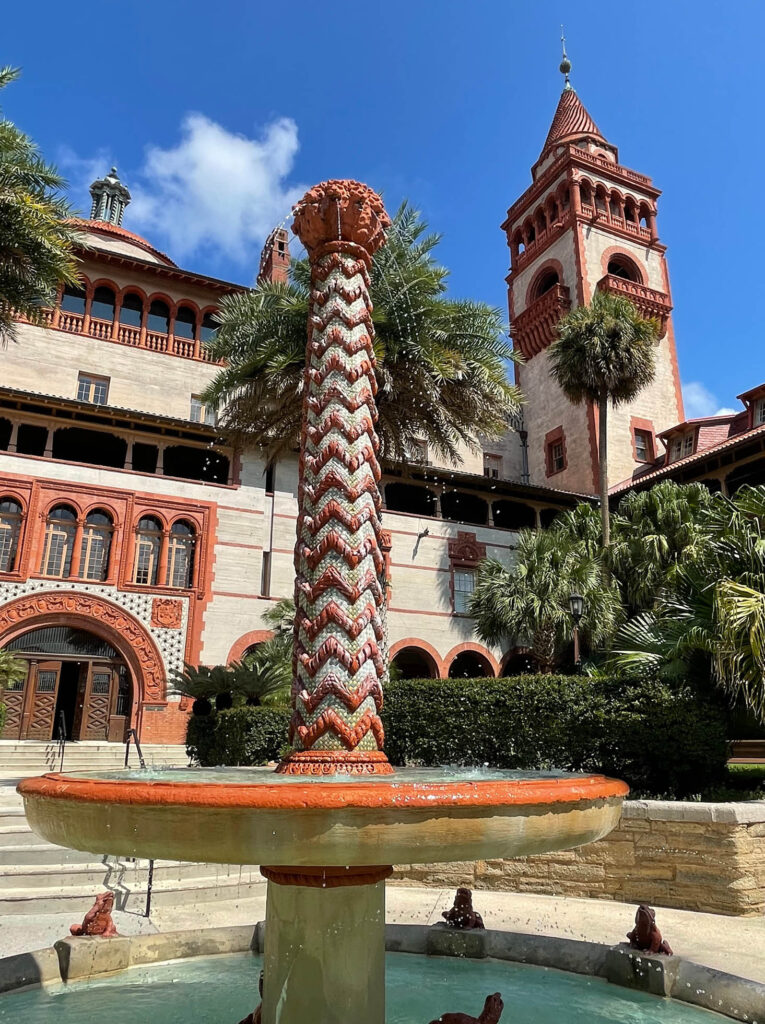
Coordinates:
37 877
19 758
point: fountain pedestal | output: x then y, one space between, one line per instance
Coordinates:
324 955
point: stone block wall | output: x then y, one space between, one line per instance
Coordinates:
691 856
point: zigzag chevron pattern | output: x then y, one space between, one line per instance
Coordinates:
340 633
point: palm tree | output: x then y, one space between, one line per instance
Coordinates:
36 243
529 602
12 670
605 351
713 605
441 363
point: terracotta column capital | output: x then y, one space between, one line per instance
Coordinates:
340 211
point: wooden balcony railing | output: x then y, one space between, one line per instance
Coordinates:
537 326
649 302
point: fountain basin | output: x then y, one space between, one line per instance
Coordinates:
252 816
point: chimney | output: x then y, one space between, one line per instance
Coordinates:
275 258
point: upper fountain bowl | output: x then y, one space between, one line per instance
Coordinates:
252 816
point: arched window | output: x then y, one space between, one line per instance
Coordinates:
180 555
73 299
10 530
585 193
600 200
622 266
185 323
148 543
60 530
209 327
158 319
630 212
547 281
102 306
131 310
96 544
541 220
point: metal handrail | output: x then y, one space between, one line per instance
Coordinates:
61 738
131 733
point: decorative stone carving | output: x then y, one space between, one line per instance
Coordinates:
122 630
645 935
166 613
98 920
341 645
466 549
462 915
490 1014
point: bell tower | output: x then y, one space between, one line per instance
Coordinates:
586 223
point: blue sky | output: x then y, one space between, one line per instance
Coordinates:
218 115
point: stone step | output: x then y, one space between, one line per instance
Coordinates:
17 835
117 874
12 815
165 893
40 852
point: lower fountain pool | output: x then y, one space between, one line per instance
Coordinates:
219 990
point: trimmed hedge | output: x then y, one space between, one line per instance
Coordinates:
237 736
662 740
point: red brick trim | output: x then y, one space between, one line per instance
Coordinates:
255 636
86 611
636 423
468 645
425 647
553 437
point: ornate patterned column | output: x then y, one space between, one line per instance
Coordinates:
341 648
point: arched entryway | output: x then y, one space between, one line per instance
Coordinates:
75 681
470 661
414 662
62 617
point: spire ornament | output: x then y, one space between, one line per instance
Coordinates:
110 197
565 64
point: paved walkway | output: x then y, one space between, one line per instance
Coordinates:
732 944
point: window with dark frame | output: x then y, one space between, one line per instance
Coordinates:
464 585
643 446
557 462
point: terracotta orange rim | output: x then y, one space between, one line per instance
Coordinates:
337 795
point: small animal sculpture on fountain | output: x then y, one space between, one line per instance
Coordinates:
646 936
255 1016
98 920
462 915
490 1014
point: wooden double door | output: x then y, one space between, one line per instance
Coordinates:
90 697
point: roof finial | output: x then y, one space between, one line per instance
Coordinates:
565 64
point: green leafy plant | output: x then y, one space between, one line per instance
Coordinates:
36 242
441 362
605 352
712 608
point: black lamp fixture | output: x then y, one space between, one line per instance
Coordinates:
576 604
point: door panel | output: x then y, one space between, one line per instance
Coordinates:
98 700
79 703
41 719
14 707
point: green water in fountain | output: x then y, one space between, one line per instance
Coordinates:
219 990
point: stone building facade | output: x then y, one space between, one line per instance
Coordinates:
132 539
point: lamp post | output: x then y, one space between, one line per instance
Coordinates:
576 604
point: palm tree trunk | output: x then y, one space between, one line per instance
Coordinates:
603 466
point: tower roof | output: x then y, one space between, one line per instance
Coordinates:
571 121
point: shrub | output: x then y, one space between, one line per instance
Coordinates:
237 736
660 739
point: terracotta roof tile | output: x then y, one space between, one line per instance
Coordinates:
571 119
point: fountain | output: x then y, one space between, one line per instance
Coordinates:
329 823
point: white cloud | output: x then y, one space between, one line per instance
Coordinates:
216 191
699 401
